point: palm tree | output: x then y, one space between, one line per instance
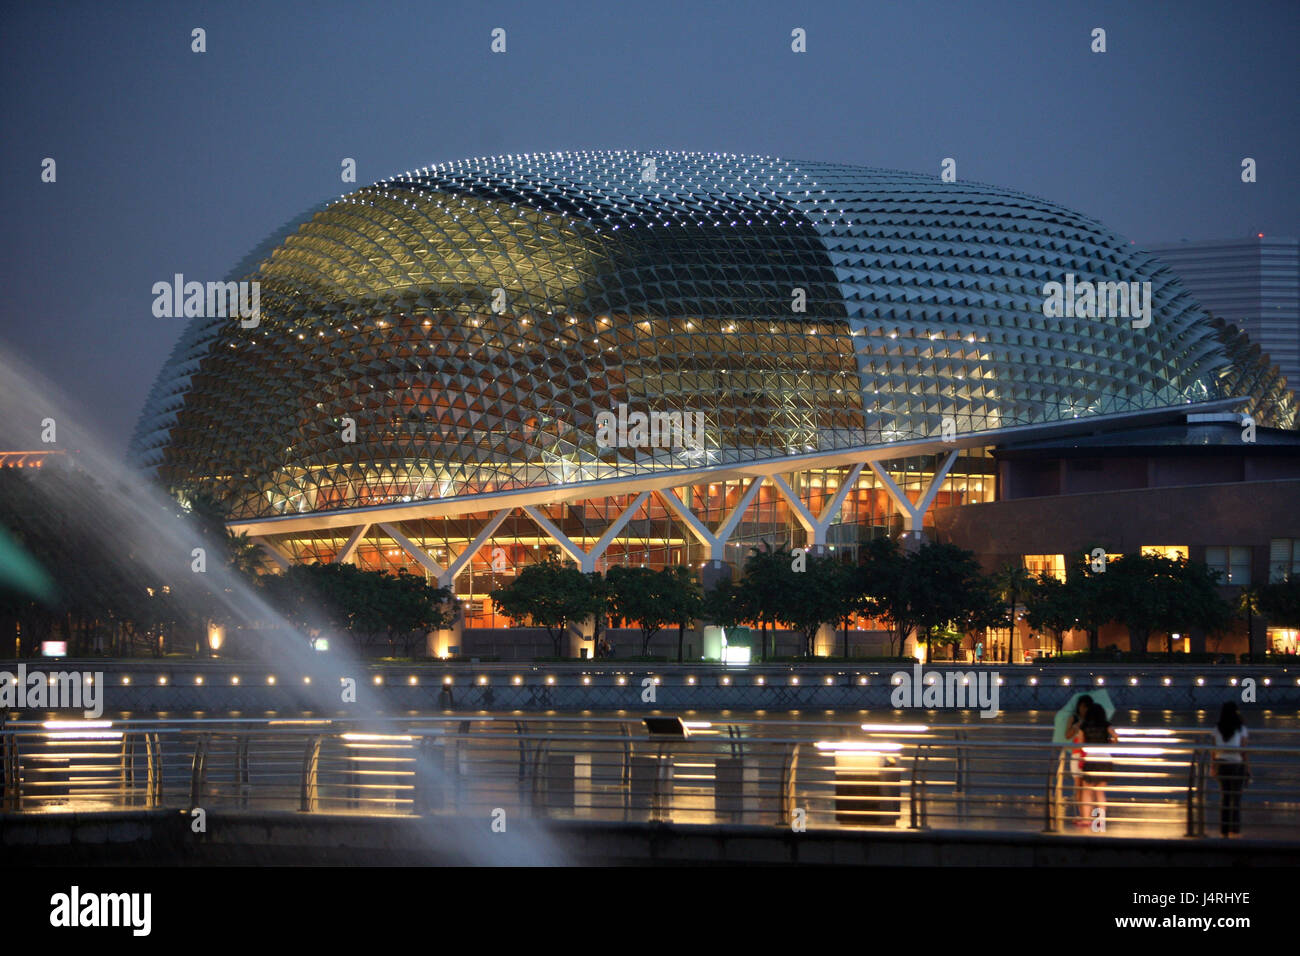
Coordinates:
245 554
1013 581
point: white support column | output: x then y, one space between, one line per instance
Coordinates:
587 559
558 536
589 562
683 510
801 512
915 514
414 550
716 540
836 503
448 577
935 483
351 546
728 527
816 526
281 559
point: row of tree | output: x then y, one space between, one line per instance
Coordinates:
937 593
556 597
101 594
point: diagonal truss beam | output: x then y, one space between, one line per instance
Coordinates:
716 540
350 548
281 559
587 559
414 550
467 555
915 513
816 526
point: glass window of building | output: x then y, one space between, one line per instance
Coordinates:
1283 640
1173 552
1283 558
1233 564
1050 564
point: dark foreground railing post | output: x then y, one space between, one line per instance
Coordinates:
309 795
918 808
789 771
153 761
1052 794
1196 794
199 769
12 795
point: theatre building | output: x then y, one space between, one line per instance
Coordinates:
849 352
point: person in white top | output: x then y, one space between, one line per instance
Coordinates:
1230 767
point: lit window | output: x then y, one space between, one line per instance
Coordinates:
1171 551
1052 565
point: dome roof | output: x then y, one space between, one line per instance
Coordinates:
459 329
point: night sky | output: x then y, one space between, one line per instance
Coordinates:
171 161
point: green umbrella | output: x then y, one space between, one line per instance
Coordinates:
1063 715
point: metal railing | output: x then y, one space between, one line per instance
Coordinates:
798 774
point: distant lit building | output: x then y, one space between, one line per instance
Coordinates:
1253 283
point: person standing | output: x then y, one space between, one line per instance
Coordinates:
1073 732
1094 732
1230 767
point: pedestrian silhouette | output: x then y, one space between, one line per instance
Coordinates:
1230 767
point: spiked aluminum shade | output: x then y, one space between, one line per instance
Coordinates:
470 321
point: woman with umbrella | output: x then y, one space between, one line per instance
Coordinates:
1076 753
1095 731
1066 728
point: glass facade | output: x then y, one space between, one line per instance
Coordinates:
460 330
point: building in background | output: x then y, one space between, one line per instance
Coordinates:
446 366
1254 283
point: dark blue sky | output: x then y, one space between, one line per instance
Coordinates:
171 161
